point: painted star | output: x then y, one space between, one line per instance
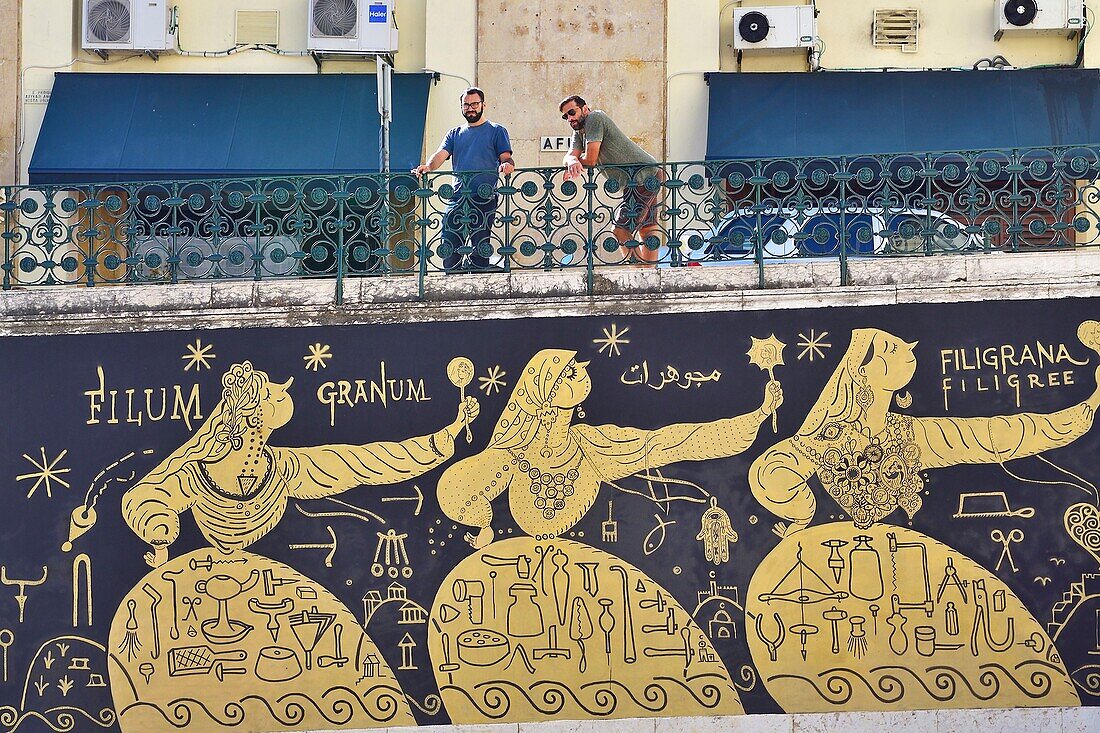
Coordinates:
198 356
317 357
813 345
612 340
493 381
46 473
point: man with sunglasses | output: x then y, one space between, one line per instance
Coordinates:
597 140
481 149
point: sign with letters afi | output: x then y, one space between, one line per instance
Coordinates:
561 143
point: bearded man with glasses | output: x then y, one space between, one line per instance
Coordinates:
598 141
481 149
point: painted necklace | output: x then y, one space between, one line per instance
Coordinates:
869 476
248 486
549 488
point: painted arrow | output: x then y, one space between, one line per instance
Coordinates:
419 499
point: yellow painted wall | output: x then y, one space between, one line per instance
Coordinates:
451 49
51 42
444 35
693 49
9 87
953 33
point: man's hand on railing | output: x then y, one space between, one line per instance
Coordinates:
573 168
506 168
421 169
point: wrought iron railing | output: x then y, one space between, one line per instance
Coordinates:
741 211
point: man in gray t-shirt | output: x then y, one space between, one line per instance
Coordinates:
598 141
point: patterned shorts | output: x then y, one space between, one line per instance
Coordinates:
638 208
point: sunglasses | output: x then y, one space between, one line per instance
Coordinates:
571 113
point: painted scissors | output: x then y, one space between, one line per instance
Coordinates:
1016 535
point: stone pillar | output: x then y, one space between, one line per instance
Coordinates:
531 53
10 104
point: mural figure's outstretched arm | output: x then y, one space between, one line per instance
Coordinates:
326 470
618 452
778 479
152 511
466 491
947 441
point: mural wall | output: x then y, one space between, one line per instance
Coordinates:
694 514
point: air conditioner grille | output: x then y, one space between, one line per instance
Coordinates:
335 18
257 26
896 28
109 21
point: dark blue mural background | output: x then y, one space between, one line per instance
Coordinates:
43 405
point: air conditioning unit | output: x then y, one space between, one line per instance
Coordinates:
352 26
778 27
125 25
1044 16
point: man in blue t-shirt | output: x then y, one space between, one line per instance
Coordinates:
480 149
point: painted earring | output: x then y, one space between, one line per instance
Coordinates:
864 396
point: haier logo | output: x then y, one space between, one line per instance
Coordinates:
377 14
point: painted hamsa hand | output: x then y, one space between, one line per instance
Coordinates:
716 533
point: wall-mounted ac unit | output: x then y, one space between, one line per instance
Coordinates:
777 27
352 26
1045 16
125 25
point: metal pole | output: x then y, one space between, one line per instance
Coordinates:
341 254
757 184
8 207
385 108
842 234
590 244
423 252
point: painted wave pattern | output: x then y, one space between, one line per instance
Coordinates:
495 699
61 719
337 706
888 684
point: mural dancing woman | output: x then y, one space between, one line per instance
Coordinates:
572 622
925 626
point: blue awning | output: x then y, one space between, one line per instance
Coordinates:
838 113
143 127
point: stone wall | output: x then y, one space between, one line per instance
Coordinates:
810 291
10 103
532 53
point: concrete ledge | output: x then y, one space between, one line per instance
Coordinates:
704 279
624 280
473 286
793 284
287 293
907 270
1014 720
233 294
382 290
541 284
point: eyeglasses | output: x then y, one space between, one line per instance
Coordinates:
471 105
571 113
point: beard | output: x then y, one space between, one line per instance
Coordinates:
473 117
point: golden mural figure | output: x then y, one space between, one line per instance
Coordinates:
871 616
224 638
543 627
